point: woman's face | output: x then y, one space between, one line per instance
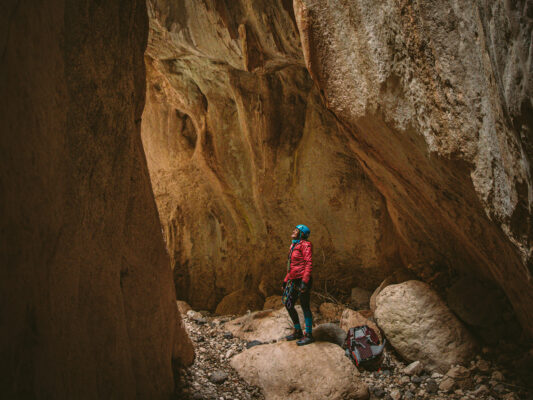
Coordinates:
295 233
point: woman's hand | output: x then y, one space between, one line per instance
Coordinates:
303 287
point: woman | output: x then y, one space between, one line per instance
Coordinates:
298 283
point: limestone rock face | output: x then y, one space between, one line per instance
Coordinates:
421 328
436 100
400 132
87 305
241 149
286 371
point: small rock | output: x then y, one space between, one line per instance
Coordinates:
229 353
431 386
379 392
447 384
395 394
385 373
416 379
253 343
481 390
228 335
404 380
499 388
436 375
497 376
218 377
415 368
408 395
483 366
458 372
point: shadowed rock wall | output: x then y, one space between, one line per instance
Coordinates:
436 98
240 150
87 305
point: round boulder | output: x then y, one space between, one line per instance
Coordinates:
420 326
285 371
239 302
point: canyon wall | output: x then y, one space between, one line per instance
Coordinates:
87 305
240 150
437 100
416 154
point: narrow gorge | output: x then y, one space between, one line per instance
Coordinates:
155 151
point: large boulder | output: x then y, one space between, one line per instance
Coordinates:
264 326
420 326
285 371
239 302
331 311
360 298
273 303
351 318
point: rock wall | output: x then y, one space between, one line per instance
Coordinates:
241 149
87 306
436 98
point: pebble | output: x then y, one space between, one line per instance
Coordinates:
415 368
253 343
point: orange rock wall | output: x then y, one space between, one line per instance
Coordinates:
240 150
413 139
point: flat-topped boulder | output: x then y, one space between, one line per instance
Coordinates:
285 371
265 326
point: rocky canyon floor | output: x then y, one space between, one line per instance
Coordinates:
212 376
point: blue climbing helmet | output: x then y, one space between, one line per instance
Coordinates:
304 231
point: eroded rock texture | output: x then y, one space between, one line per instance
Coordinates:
436 98
87 306
427 102
240 149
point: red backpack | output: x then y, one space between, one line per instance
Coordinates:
363 348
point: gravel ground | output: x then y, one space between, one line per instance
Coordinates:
212 378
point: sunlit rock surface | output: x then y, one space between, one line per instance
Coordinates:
411 147
240 150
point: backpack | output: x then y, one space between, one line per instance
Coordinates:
363 348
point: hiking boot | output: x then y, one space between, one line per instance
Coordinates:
297 334
307 339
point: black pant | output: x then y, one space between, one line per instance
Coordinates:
305 301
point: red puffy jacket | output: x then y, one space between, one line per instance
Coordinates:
301 261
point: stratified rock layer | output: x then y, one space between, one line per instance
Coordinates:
86 300
436 99
240 149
